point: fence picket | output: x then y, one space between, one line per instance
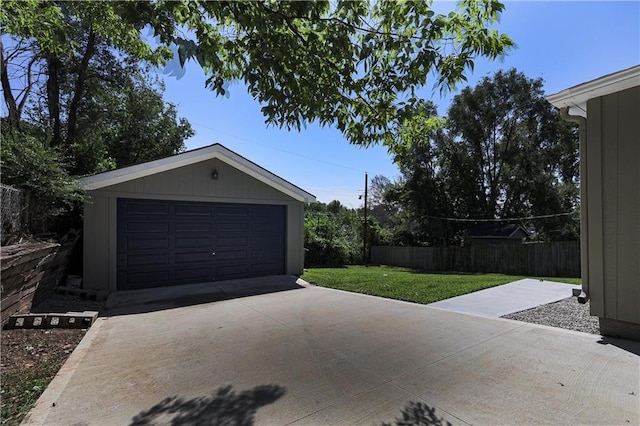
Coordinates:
556 259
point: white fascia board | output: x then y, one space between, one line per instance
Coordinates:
114 177
576 97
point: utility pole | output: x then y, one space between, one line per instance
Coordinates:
364 226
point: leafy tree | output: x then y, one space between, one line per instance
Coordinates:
75 81
504 152
65 36
396 227
333 234
352 64
99 103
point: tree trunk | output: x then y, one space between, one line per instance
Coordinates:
53 98
10 101
78 89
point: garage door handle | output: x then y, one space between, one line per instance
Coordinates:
213 253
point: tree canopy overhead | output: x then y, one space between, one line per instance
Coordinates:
352 64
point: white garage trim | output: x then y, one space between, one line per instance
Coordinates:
576 97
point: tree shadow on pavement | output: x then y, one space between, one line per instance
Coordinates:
223 407
418 414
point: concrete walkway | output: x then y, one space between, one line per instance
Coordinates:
507 299
320 356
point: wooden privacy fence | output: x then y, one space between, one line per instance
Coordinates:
559 259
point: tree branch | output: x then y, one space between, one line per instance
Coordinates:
27 89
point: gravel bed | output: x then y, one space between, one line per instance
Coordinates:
566 313
63 303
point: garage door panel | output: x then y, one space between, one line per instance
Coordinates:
265 240
192 242
232 255
146 244
194 210
193 257
193 226
193 274
232 227
147 260
163 243
264 255
225 242
233 211
148 226
147 208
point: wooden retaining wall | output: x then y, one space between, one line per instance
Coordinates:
30 273
558 259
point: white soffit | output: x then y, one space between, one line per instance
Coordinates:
576 97
113 177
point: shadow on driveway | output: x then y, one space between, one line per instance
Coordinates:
627 345
223 407
161 298
419 414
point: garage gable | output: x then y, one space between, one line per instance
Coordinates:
192 171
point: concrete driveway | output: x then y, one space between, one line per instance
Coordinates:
320 356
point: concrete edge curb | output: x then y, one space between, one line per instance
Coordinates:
40 410
303 283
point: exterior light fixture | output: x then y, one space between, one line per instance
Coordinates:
214 175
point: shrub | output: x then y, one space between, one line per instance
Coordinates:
41 172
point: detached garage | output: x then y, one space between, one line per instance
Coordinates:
200 216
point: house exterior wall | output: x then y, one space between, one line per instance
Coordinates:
189 183
612 155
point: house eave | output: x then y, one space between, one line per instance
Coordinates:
114 177
576 97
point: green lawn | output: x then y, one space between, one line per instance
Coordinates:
407 284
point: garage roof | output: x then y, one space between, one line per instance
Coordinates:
576 97
217 150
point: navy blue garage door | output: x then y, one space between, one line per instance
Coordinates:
163 243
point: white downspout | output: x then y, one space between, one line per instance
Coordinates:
584 237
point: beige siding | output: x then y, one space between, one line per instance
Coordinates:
613 203
192 183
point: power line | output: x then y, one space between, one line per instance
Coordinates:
545 216
279 149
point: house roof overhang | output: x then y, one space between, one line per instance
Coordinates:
576 97
113 177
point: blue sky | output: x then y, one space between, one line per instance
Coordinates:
565 43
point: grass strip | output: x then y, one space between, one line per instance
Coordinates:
408 284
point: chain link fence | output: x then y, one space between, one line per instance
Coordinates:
13 210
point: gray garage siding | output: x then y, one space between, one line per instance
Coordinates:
195 181
613 205
188 183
